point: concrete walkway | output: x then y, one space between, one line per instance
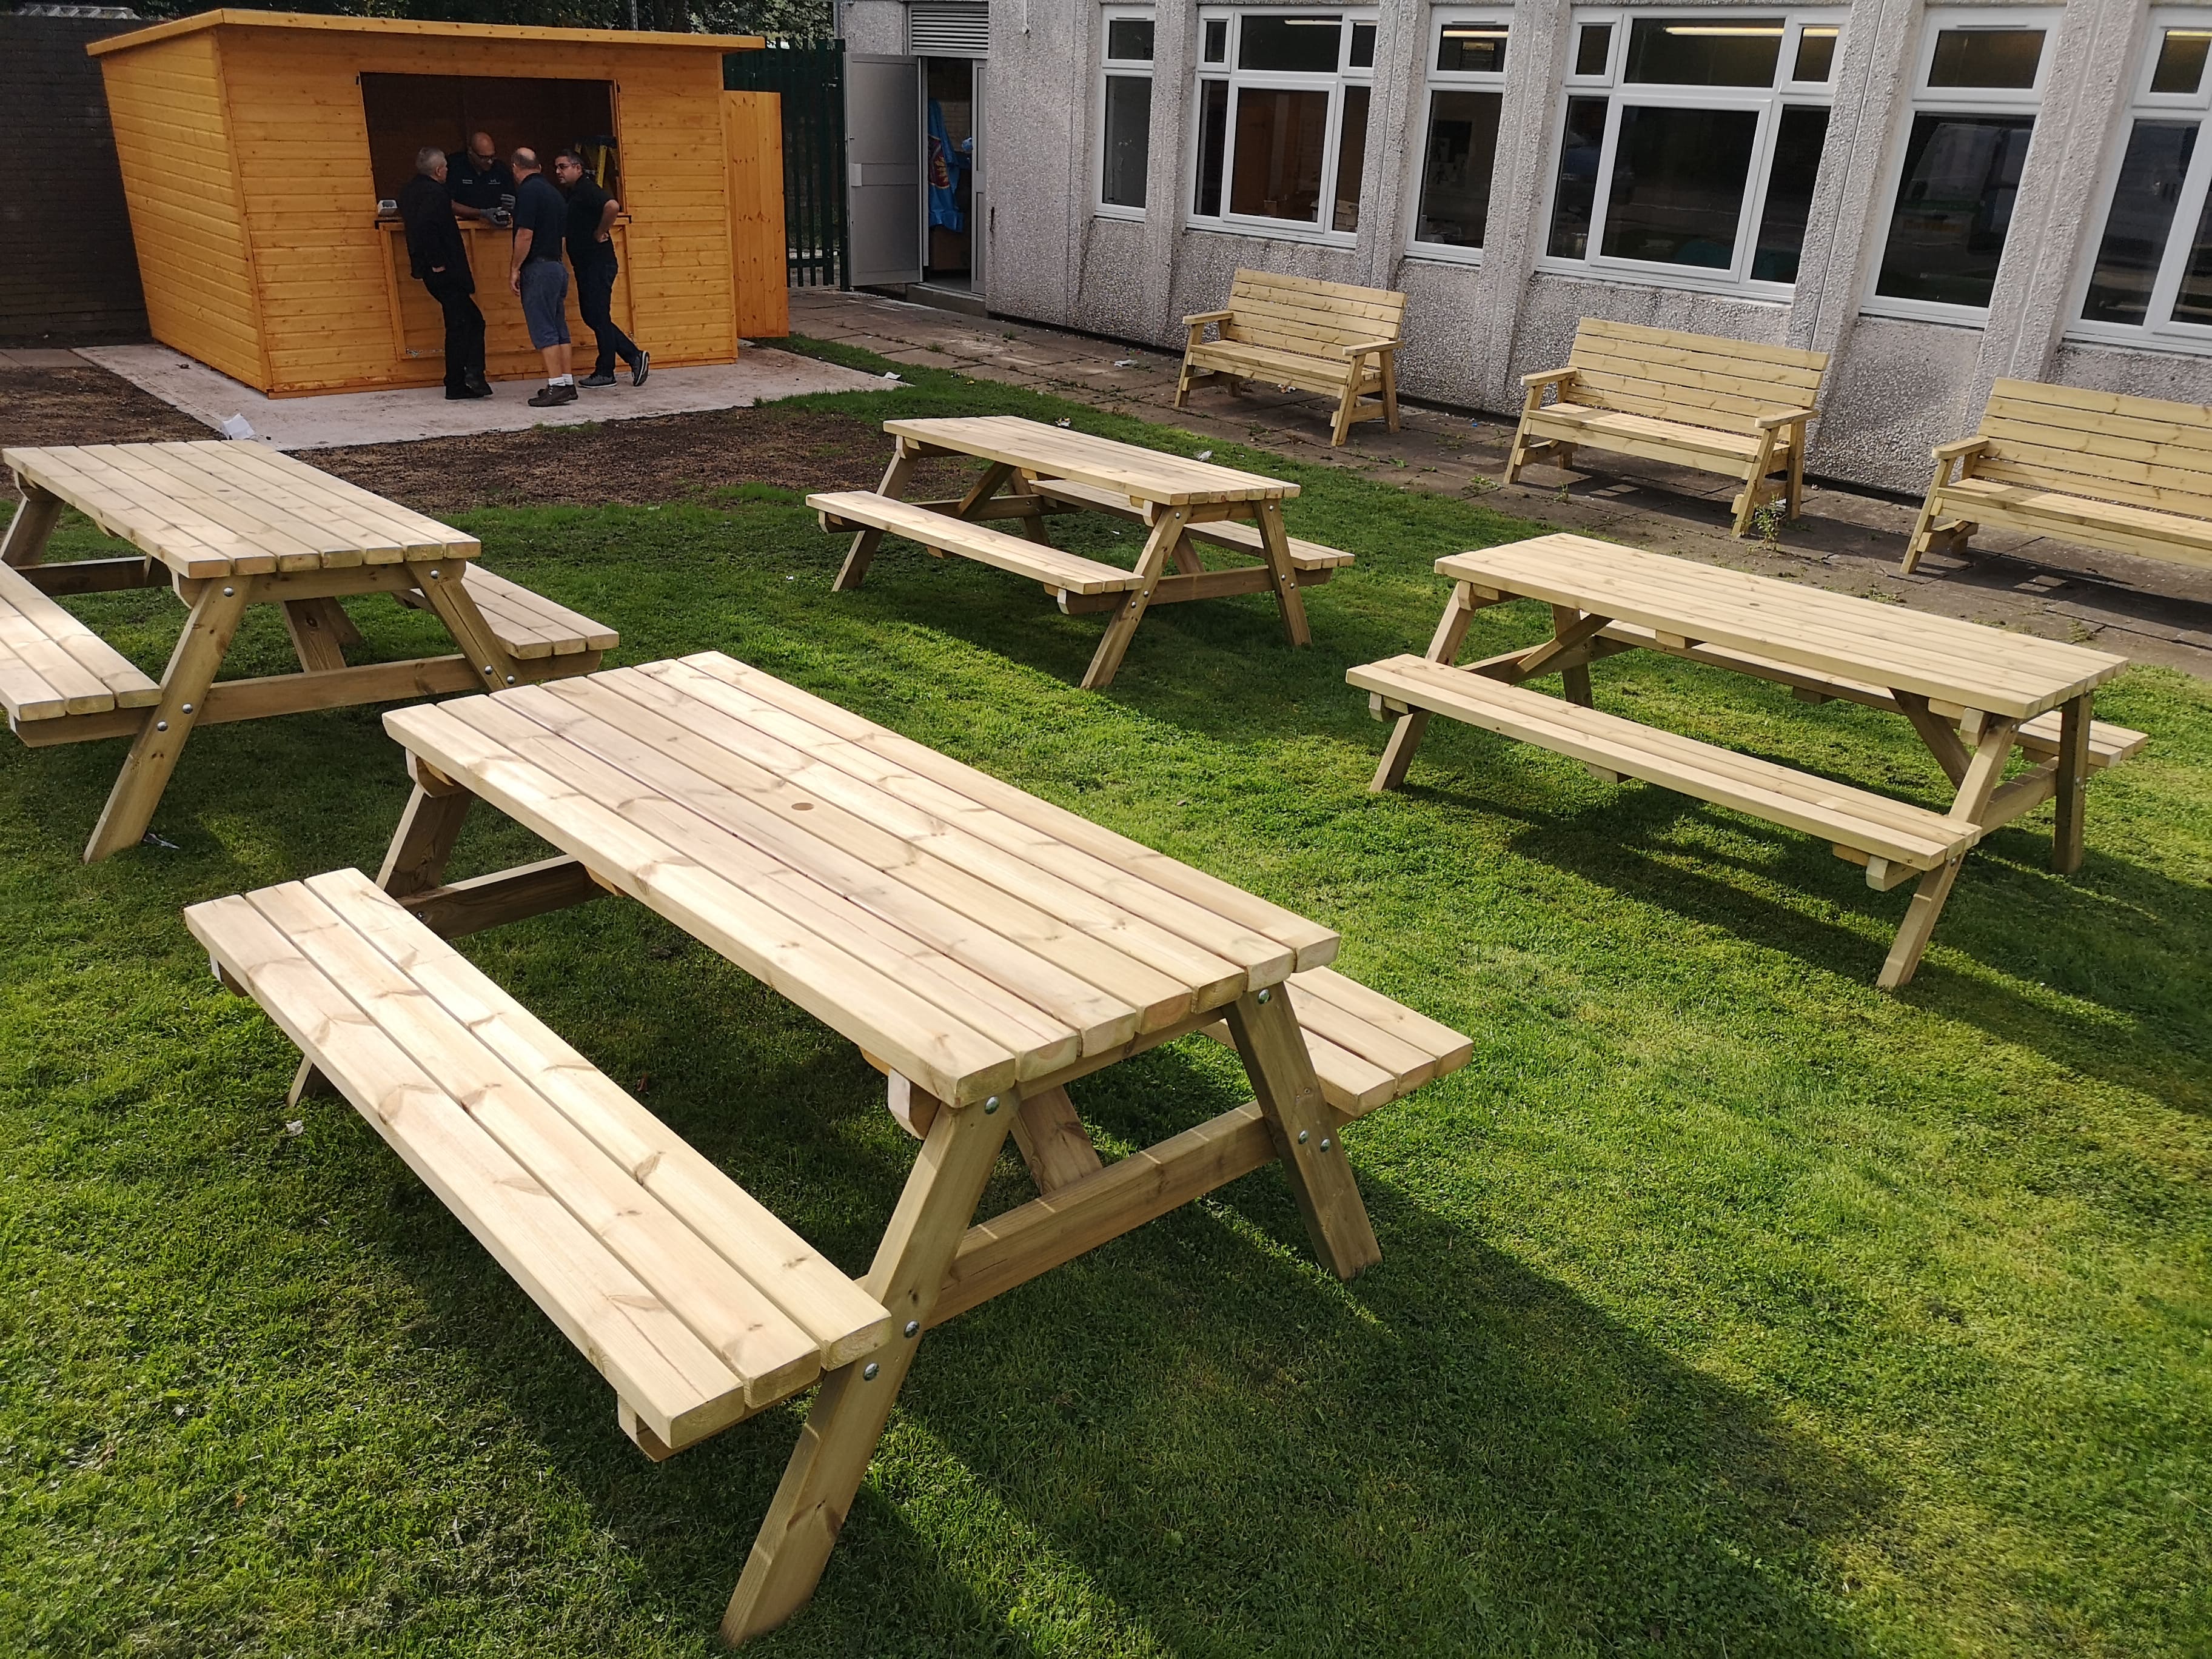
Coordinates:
2141 608
338 420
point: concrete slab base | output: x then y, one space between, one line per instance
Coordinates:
340 419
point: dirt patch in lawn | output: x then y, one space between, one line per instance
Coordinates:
84 405
674 457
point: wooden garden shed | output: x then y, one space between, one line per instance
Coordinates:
257 146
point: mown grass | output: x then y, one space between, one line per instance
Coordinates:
1728 1306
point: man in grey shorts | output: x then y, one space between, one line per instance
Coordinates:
541 221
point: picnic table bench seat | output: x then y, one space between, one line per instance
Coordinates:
1221 532
528 624
940 533
1297 332
1367 1049
2128 475
691 1297
52 665
1697 400
1893 837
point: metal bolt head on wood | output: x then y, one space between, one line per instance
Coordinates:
1263 996
868 1371
914 1327
990 1105
229 592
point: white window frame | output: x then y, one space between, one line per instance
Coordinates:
1122 69
2152 334
1925 100
1245 224
1440 19
1618 92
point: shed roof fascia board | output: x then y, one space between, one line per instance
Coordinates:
297 20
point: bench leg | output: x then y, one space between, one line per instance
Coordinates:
318 628
1304 1131
30 530
1920 916
1052 1141
1390 390
1186 558
443 584
200 651
848 1415
1398 754
1344 416
862 552
1183 384
1575 682
1796 497
2066 841
1151 566
1275 541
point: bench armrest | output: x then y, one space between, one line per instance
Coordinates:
1547 377
1952 452
1363 347
1786 417
1204 317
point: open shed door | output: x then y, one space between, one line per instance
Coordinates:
752 138
882 167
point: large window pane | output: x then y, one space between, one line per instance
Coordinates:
1212 144
2151 172
1575 198
1306 44
1351 158
1279 139
1954 202
1471 47
1129 138
1678 184
1986 57
1719 51
2193 304
1130 39
1788 194
1455 176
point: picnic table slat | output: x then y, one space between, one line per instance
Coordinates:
1145 474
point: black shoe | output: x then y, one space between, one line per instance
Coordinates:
639 369
551 397
455 394
596 379
478 385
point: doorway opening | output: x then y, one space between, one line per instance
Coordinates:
949 161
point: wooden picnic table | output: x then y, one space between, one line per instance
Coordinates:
982 947
1046 469
1974 694
227 525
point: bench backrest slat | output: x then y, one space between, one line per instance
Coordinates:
2141 452
1316 318
1699 378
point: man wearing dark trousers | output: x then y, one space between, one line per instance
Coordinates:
435 256
538 277
591 213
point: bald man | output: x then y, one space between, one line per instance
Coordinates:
479 182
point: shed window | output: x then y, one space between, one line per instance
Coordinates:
1690 143
1972 118
406 112
2149 282
1125 143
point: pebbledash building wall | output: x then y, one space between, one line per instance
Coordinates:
1939 195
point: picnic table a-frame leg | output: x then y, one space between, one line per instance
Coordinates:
199 653
848 1415
1977 781
1168 527
28 531
904 454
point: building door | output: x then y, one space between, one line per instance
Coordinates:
952 152
883 167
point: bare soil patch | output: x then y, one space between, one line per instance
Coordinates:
85 406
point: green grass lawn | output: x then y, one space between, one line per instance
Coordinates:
1727 1305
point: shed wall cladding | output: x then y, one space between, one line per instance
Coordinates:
1904 377
70 277
172 137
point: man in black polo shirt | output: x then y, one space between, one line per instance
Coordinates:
541 221
435 256
480 182
591 213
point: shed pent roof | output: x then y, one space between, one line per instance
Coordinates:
300 20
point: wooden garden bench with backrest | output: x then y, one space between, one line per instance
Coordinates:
1297 333
1695 400
2129 475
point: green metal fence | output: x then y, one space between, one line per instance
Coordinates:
811 76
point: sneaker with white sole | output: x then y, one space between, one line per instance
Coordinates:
641 368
